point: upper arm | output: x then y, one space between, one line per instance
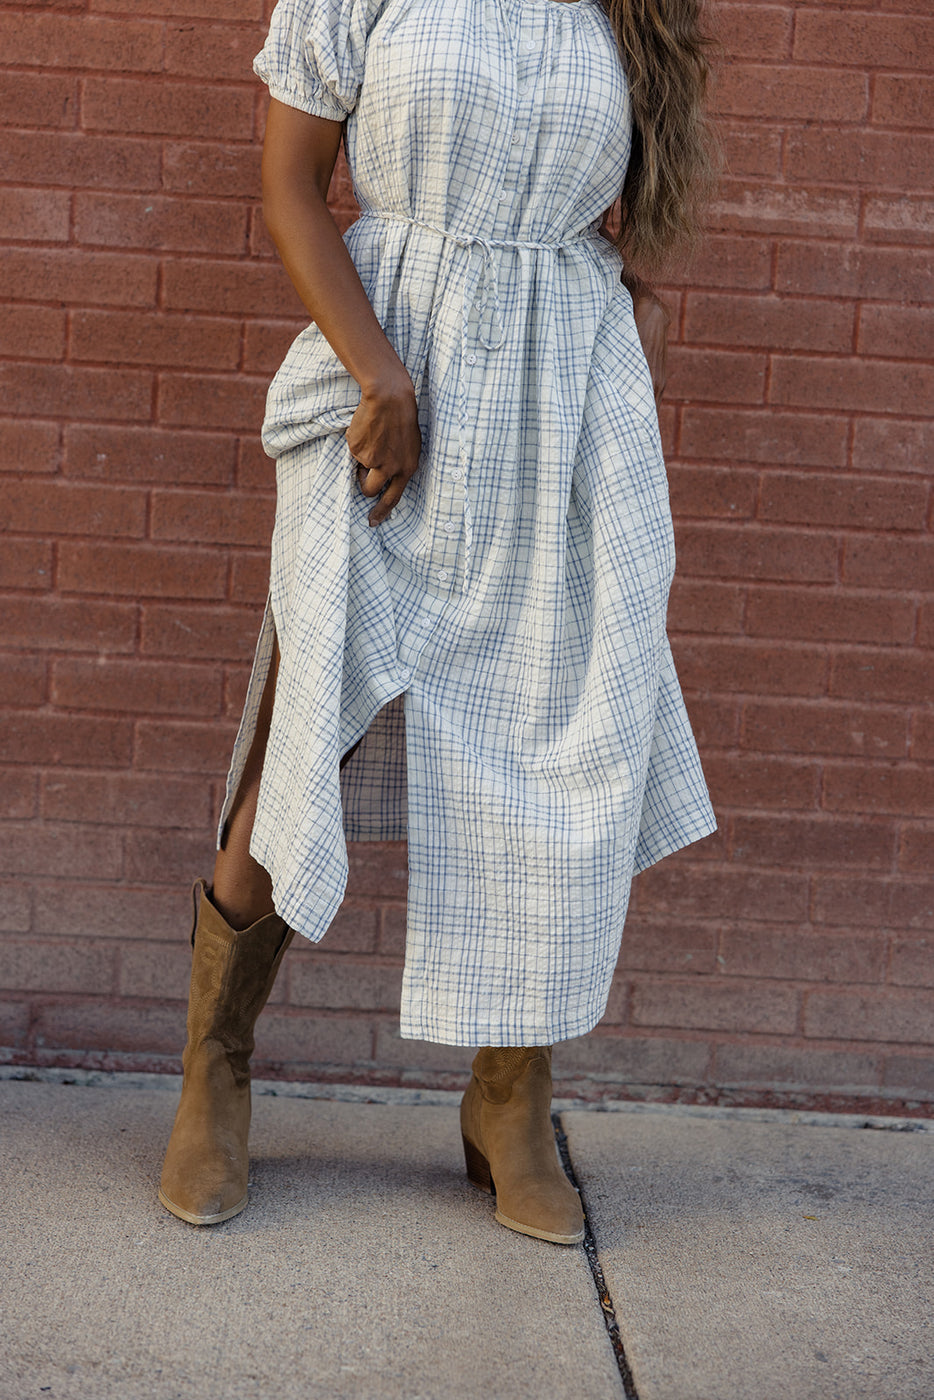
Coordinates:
299 151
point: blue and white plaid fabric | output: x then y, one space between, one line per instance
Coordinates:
505 627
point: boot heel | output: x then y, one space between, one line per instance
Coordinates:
478 1168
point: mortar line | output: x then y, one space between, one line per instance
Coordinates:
607 1306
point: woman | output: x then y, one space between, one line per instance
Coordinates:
465 636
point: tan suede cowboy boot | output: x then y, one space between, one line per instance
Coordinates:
510 1147
204 1177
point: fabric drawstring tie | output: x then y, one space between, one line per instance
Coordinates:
490 296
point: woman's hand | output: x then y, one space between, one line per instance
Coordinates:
652 319
385 439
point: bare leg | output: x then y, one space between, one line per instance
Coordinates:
242 889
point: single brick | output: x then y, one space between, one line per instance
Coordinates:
753 31
152 222
875 503
173 857
130 799
898 219
52 739
144 687
29 447
787 955
668 945
32 215
802 842
25 564
774 91
757 552
66 391
78 277
720 893
37 506
225 51
249 577
63 624
35 848
125 337
342 984
903 789
695 606
212 401
876 674
812 1069
706 1004
824 727
32 333
874 561
883 1015
747 780
233 288
892 444
18 793
779 209
213 517
736 664
143 570
912 962
56 966
38 99
868 41
23 681
916 852
73 159
78 909
14 907
903 99
841 270
173 746
211 632
905 331
378 868
721 375
875 903
860 384
714 720
81 41
769 322
149 454
265 344
634 1059
712 491
169 109
764 435
829 614
296 1037
215 170
103 1024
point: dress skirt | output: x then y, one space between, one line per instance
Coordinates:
498 643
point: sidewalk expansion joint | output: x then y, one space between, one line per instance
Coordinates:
593 1259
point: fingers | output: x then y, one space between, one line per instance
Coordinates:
373 481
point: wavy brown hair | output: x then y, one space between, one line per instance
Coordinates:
674 158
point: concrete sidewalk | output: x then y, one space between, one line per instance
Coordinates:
746 1254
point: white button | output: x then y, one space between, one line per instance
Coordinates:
471 359
522 89
529 45
516 137
502 196
443 575
449 527
457 473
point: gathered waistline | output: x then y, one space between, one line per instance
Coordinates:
466 240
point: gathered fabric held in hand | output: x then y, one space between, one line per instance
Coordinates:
500 639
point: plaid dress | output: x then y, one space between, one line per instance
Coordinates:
500 639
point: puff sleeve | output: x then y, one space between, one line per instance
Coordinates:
314 54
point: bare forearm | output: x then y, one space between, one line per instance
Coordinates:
321 269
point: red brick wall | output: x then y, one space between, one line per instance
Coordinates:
790 954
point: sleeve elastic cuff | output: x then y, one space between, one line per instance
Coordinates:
315 104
